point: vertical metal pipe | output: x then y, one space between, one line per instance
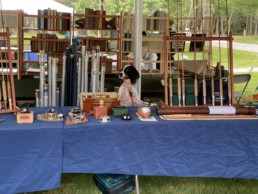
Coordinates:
102 79
79 79
98 68
41 76
49 80
94 73
179 90
46 95
54 80
138 40
37 97
137 185
82 76
95 70
58 96
86 76
63 80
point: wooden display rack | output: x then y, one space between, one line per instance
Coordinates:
198 57
7 86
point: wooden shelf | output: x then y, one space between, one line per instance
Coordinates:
49 26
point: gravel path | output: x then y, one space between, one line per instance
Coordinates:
238 46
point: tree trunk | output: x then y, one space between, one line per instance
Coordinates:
246 26
217 25
250 25
229 22
221 25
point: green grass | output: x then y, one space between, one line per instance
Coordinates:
83 184
246 39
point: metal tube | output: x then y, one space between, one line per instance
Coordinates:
171 90
37 97
41 76
183 91
95 70
49 80
85 74
94 73
98 68
63 80
179 90
46 95
79 79
81 76
54 80
58 96
102 79
137 185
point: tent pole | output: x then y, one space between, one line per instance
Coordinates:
138 40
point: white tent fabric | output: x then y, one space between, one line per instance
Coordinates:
32 6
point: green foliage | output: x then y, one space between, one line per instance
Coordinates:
223 8
238 23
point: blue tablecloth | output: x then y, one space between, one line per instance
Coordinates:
33 156
30 155
217 148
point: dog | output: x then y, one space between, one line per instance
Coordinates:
127 91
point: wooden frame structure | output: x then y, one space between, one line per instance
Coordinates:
7 86
202 23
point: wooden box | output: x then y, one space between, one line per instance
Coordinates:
99 111
90 100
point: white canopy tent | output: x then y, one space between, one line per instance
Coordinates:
32 6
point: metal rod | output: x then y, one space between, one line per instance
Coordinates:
58 96
63 79
9 95
204 90
102 79
98 68
183 71
95 71
179 90
212 91
49 81
46 95
196 90
137 185
41 76
37 97
81 75
171 88
79 79
85 73
54 81
195 65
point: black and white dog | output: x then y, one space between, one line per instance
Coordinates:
129 72
127 91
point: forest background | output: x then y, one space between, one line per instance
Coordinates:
242 15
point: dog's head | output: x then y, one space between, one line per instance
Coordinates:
129 72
